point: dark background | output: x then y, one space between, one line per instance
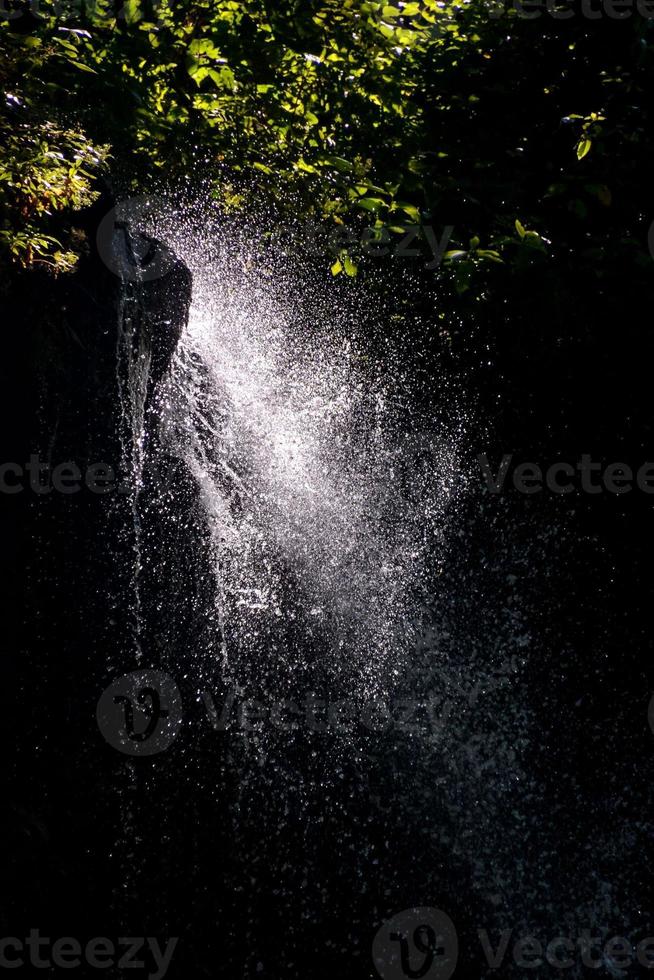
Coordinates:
532 810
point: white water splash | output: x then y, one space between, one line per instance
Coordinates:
323 509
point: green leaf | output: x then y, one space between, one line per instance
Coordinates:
520 228
344 166
410 209
83 67
337 267
583 147
370 203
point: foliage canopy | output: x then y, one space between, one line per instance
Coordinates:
426 112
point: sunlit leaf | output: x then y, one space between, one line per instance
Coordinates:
583 147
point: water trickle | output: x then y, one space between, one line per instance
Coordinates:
133 360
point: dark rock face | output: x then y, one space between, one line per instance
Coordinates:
70 345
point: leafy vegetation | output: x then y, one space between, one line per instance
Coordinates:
357 112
